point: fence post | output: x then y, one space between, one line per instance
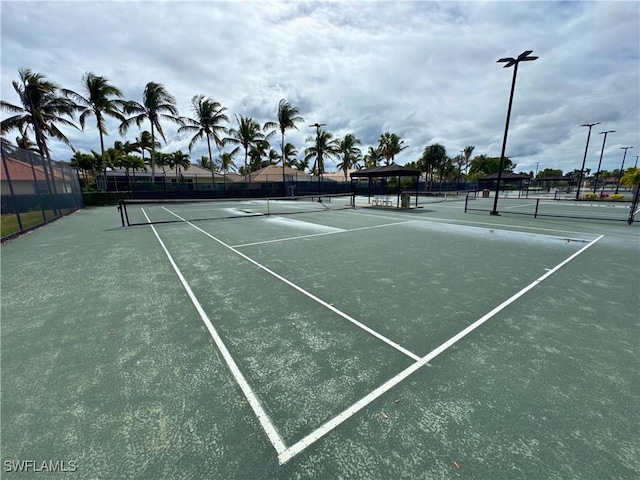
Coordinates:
634 204
13 197
535 215
36 188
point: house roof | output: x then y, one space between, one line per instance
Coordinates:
392 170
21 171
273 173
338 176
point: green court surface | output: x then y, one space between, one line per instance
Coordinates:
367 343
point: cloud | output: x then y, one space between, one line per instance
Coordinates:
426 71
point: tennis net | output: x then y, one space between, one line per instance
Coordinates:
437 197
145 211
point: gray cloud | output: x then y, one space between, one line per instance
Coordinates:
424 70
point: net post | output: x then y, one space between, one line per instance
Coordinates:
535 215
126 214
121 212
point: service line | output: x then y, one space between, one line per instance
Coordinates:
337 420
320 234
369 330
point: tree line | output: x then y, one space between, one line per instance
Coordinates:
45 108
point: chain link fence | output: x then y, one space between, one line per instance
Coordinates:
34 190
554 206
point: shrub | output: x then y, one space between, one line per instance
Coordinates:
616 197
590 196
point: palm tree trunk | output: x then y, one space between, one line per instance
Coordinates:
98 118
213 178
153 155
284 187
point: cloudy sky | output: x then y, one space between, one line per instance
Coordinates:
424 70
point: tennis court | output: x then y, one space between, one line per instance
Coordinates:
321 341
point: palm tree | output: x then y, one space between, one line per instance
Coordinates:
302 165
84 163
372 157
43 109
208 114
143 142
204 162
156 104
325 146
351 154
163 160
100 99
390 145
258 155
130 162
467 152
432 156
273 157
179 160
288 116
226 163
24 142
246 135
290 155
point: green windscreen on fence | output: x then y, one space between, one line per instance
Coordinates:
35 190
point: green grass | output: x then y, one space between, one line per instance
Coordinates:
9 221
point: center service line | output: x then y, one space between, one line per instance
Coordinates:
263 418
321 234
308 294
302 444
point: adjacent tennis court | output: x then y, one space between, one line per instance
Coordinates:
312 339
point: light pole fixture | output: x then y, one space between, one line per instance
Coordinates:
590 125
595 185
622 166
509 62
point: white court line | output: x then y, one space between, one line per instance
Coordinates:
308 294
263 418
524 205
320 234
489 224
337 420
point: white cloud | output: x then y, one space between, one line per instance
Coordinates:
424 70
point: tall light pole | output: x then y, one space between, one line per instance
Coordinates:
636 165
595 185
622 166
590 125
510 62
